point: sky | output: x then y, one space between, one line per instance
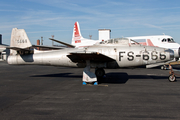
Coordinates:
125 18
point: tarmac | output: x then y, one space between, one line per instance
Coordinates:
35 92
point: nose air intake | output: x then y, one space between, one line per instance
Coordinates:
171 53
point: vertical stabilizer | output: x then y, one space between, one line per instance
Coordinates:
77 37
19 39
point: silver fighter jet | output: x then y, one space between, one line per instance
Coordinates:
114 53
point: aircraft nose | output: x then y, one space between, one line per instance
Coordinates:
171 53
179 51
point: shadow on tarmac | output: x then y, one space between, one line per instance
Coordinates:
68 75
112 77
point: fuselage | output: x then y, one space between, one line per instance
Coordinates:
124 56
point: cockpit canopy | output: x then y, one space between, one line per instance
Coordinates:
170 40
119 41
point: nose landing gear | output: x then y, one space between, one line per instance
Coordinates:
172 78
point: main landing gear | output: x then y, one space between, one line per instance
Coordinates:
91 78
99 72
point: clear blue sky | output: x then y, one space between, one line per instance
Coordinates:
57 17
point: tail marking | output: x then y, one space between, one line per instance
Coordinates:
76 33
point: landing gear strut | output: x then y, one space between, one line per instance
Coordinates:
172 77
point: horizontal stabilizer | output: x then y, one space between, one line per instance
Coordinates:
92 56
19 49
69 45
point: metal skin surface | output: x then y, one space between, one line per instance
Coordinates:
53 57
124 56
113 53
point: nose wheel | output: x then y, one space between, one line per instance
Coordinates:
172 78
99 72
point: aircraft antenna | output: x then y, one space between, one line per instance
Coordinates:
41 40
0 39
90 36
52 40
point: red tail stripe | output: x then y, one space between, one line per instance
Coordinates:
76 30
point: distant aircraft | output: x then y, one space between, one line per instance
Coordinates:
114 53
77 39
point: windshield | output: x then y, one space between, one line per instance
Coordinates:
170 40
122 41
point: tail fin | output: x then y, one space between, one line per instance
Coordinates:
77 37
19 39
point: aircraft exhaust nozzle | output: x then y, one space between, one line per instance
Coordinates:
177 53
171 53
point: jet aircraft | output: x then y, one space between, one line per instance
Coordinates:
114 53
77 39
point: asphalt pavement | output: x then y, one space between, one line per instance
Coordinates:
35 92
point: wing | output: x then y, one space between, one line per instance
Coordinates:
92 56
69 45
47 47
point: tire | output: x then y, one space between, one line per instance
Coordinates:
171 78
100 72
163 67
